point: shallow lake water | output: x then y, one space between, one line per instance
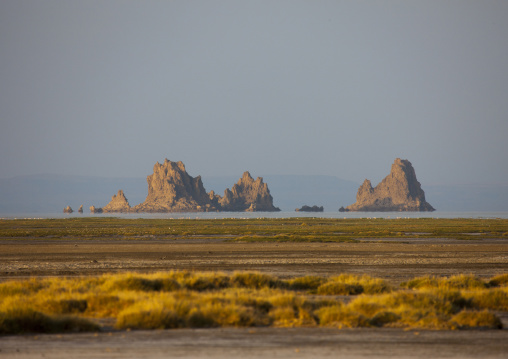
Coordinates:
294 214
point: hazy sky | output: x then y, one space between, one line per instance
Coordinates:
108 88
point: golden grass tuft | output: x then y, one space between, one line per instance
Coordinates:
309 283
349 284
26 320
476 320
494 298
461 281
341 317
254 280
152 318
184 299
499 280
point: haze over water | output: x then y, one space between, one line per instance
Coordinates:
220 215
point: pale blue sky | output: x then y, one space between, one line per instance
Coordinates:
108 88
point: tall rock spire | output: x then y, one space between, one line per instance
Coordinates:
172 189
248 195
118 203
399 191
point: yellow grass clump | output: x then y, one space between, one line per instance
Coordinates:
461 281
476 320
185 299
499 281
348 284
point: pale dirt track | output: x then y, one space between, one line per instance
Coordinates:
394 260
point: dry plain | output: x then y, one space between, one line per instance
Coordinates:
27 251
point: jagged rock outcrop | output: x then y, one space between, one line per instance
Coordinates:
118 204
94 209
306 208
68 209
247 195
399 191
172 189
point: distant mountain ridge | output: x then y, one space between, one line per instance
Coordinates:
51 193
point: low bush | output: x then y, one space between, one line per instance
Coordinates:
499 281
349 284
310 283
461 281
26 320
495 299
254 280
183 299
341 317
206 282
67 306
339 288
153 318
476 320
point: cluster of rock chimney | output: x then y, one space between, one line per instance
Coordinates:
172 189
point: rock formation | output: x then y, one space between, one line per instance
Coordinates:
399 191
80 210
94 209
118 204
68 209
310 209
172 189
246 195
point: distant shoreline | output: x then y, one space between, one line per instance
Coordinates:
247 215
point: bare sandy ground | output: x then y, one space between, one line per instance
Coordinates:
261 343
394 260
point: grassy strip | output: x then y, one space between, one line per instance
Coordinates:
182 299
263 229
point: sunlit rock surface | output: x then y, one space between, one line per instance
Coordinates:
399 191
118 204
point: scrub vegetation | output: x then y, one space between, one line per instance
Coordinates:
185 299
249 230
